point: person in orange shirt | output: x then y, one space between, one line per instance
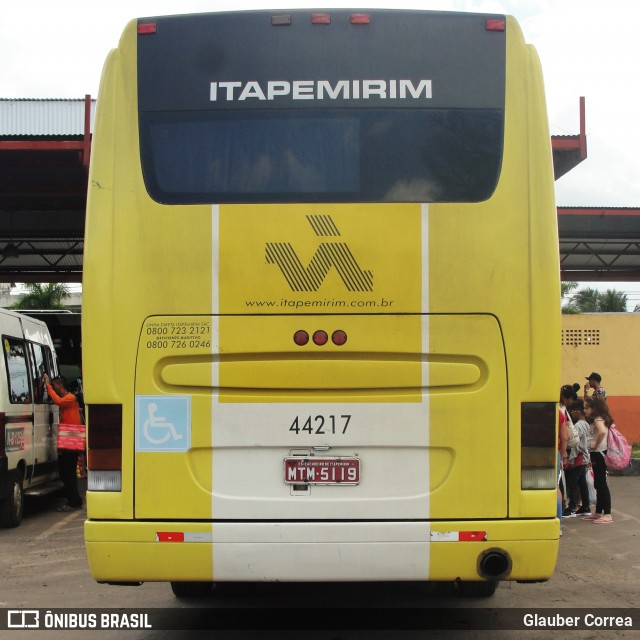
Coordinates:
67 459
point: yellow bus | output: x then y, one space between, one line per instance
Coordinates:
321 303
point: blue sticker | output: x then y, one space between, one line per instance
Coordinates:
163 423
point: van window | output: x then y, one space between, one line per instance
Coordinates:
41 363
17 371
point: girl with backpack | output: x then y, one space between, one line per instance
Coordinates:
599 418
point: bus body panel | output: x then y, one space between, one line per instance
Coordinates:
302 552
452 320
258 398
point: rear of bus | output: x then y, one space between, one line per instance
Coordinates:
321 310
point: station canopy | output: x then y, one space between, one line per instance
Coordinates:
45 148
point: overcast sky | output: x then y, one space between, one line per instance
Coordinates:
590 48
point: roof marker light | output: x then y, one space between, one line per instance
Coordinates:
301 337
147 28
320 18
496 25
360 18
281 21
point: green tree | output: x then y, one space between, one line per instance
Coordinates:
612 301
593 301
587 300
565 289
43 296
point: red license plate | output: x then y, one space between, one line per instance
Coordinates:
315 470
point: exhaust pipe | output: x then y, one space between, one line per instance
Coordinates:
494 564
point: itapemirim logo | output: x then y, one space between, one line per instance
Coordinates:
329 255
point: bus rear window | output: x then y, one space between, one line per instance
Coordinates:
321 155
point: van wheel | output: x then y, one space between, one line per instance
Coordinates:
483 589
191 589
12 504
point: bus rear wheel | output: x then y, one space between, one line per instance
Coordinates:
191 589
12 504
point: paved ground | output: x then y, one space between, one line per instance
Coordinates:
43 565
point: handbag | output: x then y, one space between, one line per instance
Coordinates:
72 436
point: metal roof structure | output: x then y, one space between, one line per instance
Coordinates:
45 147
569 151
599 243
55 117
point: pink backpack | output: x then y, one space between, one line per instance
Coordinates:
618 454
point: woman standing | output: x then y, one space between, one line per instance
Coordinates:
597 413
576 472
67 459
567 395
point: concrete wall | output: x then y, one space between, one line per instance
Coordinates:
608 343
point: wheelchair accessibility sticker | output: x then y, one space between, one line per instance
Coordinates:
163 423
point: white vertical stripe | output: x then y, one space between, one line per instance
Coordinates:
424 223
215 295
426 409
215 344
215 256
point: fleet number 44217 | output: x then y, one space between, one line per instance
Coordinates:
321 425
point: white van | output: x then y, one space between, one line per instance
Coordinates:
28 420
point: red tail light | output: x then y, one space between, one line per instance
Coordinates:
538 445
104 436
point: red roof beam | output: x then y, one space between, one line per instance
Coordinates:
571 143
566 142
86 142
583 132
41 145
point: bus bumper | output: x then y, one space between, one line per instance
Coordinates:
126 551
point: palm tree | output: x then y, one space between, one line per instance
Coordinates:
594 301
612 301
587 300
565 289
43 296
